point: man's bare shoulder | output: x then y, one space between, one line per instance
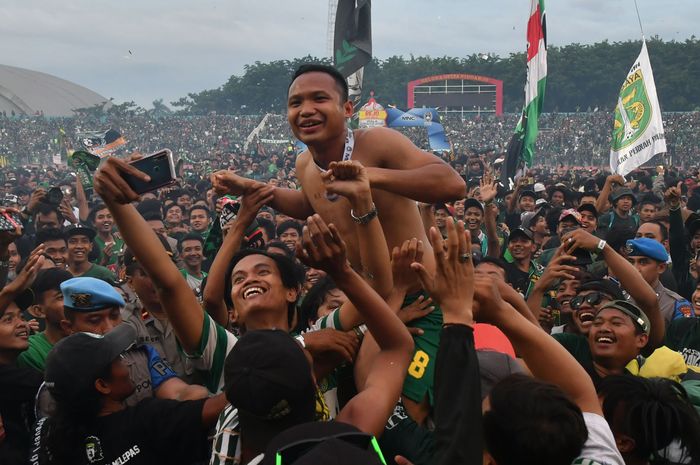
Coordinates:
302 160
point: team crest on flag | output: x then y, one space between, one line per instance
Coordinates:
631 123
638 130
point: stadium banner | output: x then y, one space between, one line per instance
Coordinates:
522 145
352 42
638 131
101 143
420 117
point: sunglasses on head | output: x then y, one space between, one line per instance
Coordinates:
293 452
593 299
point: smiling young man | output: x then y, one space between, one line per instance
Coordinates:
18 385
55 246
522 273
199 220
399 174
107 243
80 245
191 248
47 303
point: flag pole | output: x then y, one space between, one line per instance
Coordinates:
639 18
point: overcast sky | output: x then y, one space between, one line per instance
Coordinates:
181 46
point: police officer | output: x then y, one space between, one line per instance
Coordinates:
93 306
650 258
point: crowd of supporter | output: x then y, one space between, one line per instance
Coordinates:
394 310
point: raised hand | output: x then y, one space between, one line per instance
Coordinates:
253 201
488 188
322 248
8 237
557 268
452 285
579 239
672 196
111 186
411 251
347 178
228 182
67 211
344 344
28 274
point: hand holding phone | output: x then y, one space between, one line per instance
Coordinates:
159 166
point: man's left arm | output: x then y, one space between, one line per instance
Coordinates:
404 169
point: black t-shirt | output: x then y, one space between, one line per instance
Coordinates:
519 279
18 388
155 431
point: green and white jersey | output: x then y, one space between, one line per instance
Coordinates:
211 354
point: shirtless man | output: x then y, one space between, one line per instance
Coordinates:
400 174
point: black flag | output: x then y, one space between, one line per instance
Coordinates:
352 44
513 160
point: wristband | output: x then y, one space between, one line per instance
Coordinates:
366 218
300 340
601 245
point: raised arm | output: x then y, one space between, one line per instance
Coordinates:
214 290
458 430
487 192
349 179
179 302
630 280
677 243
288 201
602 203
530 342
404 169
81 198
370 408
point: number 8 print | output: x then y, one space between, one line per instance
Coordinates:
418 365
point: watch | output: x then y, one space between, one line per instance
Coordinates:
300 340
601 244
366 218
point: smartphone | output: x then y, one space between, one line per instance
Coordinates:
160 166
10 221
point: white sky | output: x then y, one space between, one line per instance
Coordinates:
181 46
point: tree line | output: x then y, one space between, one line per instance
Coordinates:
581 77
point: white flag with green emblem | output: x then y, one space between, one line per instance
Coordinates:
638 131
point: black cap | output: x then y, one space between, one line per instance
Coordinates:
323 442
520 232
46 280
80 230
76 361
472 202
588 207
527 193
267 376
603 285
621 192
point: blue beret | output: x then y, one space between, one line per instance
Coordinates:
646 247
89 295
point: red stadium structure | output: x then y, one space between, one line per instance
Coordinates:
463 94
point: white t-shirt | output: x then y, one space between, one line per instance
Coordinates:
600 446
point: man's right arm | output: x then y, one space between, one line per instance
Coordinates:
288 201
292 203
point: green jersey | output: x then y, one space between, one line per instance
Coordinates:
35 355
99 272
118 245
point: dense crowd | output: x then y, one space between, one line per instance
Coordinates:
379 308
570 139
